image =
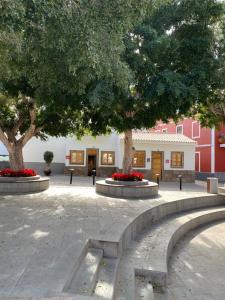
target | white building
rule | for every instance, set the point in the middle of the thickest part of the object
(166, 154)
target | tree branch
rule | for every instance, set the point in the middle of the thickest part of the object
(18, 124)
(38, 130)
(31, 130)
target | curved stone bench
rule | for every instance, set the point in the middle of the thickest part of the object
(21, 185)
(145, 255)
(119, 249)
(127, 189)
(163, 239)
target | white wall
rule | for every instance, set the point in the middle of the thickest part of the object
(189, 154)
(35, 148)
(103, 143)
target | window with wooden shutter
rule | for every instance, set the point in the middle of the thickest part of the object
(76, 157)
(107, 157)
(139, 159)
(177, 159)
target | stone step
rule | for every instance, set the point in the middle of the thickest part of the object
(125, 283)
(149, 253)
(106, 278)
(156, 244)
(143, 289)
(83, 281)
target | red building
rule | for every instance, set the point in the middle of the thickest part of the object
(210, 148)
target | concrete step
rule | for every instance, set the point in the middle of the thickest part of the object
(125, 283)
(149, 253)
(156, 244)
(106, 278)
(83, 281)
(143, 289)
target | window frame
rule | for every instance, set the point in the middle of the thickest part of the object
(171, 160)
(113, 156)
(139, 165)
(199, 130)
(182, 126)
(77, 151)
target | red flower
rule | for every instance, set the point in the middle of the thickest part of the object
(135, 176)
(19, 173)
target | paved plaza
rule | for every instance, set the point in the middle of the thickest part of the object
(42, 235)
(197, 267)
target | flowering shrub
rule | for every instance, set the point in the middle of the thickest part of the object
(135, 176)
(19, 173)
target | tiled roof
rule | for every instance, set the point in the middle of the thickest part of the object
(161, 137)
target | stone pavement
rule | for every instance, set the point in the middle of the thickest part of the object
(197, 267)
(42, 235)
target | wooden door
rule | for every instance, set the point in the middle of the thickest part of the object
(91, 164)
(91, 160)
(157, 164)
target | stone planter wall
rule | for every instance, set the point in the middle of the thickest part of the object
(21, 185)
(126, 189)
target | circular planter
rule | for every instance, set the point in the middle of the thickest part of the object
(18, 179)
(127, 189)
(21, 185)
(130, 183)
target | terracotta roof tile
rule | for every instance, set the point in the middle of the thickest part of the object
(160, 137)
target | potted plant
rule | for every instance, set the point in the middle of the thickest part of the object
(48, 158)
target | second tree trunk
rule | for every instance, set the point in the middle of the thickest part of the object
(128, 152)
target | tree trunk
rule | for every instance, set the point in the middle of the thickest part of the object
(128, 152)
(16, 156)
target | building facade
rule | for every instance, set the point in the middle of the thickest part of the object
(209, 152)
(168, 155)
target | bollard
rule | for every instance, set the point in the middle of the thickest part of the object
(180, 179)
(157, 178)
(71, 175)
(212, 185)
(93, 176)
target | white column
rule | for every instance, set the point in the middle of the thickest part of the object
(213, 150)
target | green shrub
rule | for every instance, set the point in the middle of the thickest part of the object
(48, 157)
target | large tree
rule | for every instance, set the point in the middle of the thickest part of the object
(172, 56)
(211, 111)
(50, 51)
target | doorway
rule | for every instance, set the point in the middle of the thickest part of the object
(157, 164)
(92, 159)
(91, 164)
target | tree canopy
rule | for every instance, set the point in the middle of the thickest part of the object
(50, 51)
(172, 56)
(64, 43)
(211, 111)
